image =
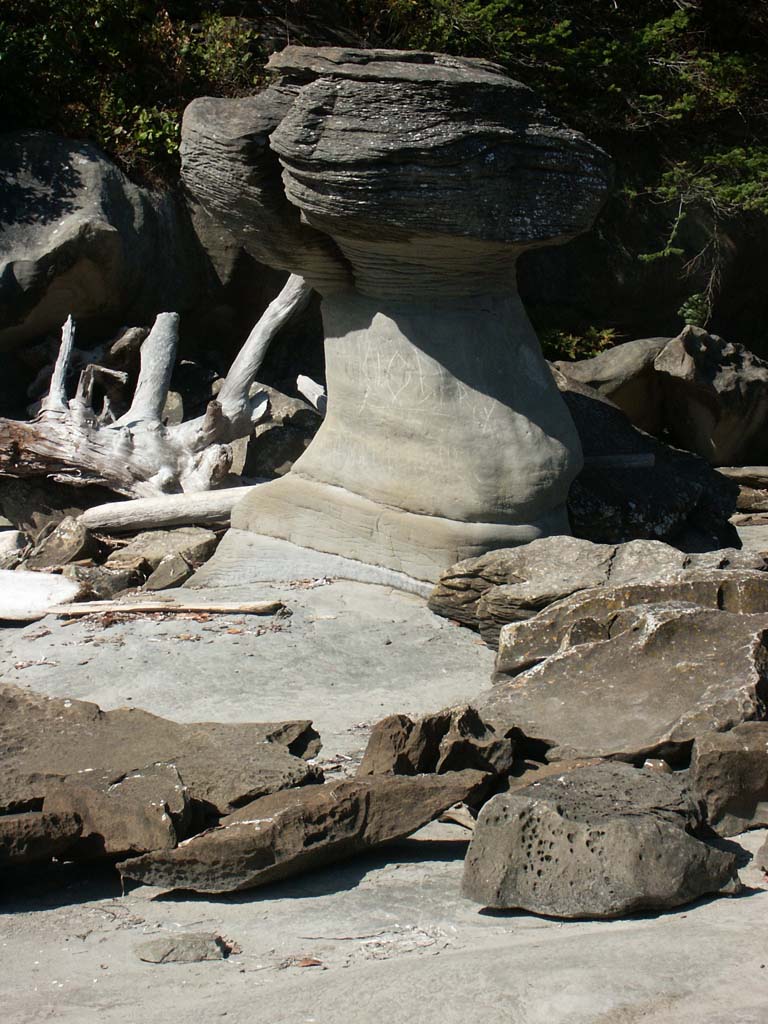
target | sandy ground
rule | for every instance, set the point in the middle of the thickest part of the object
(395, 940)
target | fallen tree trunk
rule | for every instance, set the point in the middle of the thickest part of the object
(201, 509)
(137, 455)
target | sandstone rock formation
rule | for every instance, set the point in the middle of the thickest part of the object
(513, 584)
(286, 833)
(450, 740)
(411, 183)
(596, 842)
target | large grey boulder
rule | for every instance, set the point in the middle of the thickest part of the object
(411, 183)
(288, 833)
(702, 393)
(597, 842)
(643, 683)
(77, 236)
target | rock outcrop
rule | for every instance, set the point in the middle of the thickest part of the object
(513, 584)
(287, 833)
(597, 842)
(444, 435)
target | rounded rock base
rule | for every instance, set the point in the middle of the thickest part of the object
(332, 519)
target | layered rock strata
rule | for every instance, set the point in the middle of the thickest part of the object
(411, 183)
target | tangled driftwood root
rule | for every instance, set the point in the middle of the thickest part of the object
(136, 454)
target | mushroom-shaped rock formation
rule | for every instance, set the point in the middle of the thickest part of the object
(411, 183)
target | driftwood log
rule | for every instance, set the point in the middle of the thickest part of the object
(137, 455)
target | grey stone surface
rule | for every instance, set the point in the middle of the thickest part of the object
(348, 654)
(426, 337)
(663, 675)
(596, 842)
(729, 774)
(78, 237)
(286, 834)
(187, 948)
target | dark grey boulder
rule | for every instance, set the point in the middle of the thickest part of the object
(77, 236)
(729, 774)
(597, 842)
(657, 678)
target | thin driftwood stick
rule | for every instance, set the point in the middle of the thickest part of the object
(71, 611)
(313, 392)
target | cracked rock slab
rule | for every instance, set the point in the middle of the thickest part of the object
(598, 842)
(223, 765)
(663, 675)
(598, 614)
(287, 833)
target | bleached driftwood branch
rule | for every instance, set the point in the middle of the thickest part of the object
(205, 508)
(137, 455)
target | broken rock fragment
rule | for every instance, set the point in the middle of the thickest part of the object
(146, 809)
(729, 774)
(287, 833)
(449, 740)
(597, 842)
(36, 836)
(597, 614)
(655, 680)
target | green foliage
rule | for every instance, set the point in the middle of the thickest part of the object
(558, 344)
(696, 310)
(118, 71)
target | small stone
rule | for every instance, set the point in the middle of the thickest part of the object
(185, 948)
(729, 773)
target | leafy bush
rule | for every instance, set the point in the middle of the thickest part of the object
(119, 72)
